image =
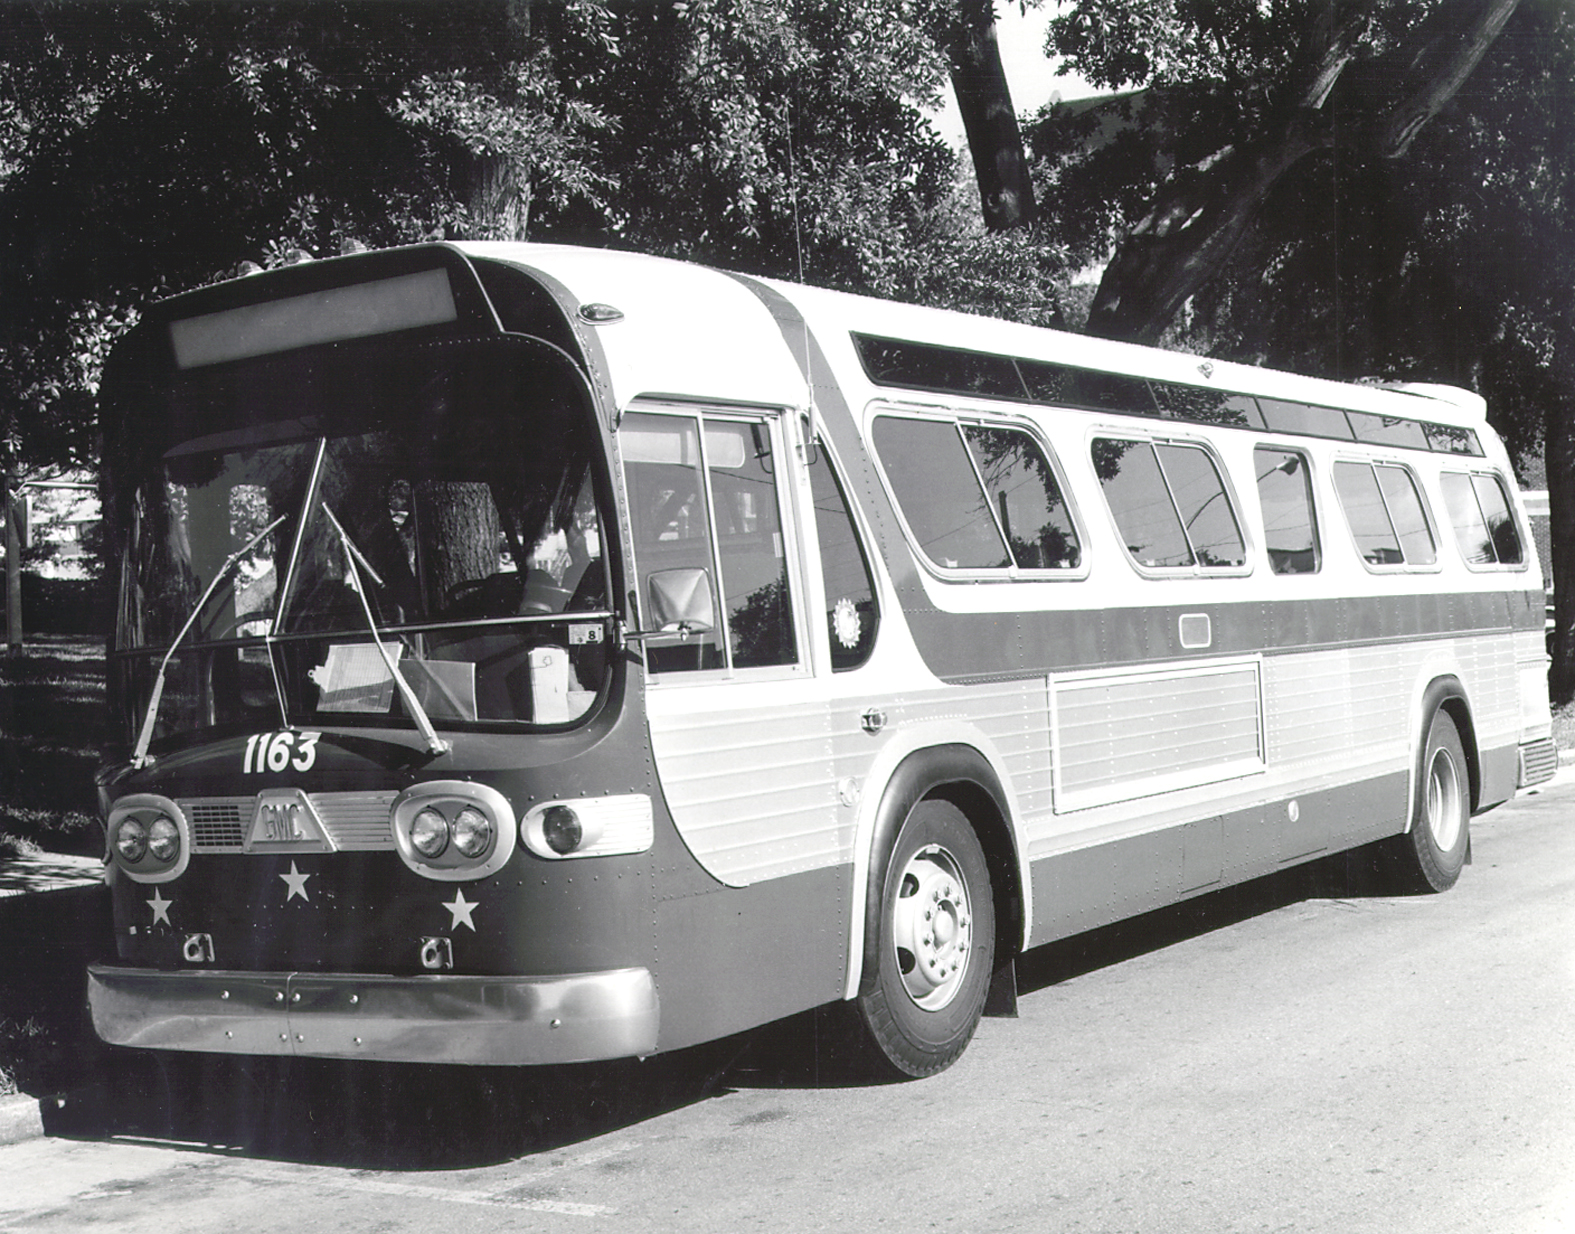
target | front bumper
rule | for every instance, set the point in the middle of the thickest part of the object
(578, 1017)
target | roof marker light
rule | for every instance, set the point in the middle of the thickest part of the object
(600, 314)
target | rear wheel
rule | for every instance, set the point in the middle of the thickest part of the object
(936, 946)
(1431, 855)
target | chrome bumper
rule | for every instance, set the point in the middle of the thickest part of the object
(430, 1019)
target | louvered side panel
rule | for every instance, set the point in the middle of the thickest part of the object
(1119, 738)
(751, 790)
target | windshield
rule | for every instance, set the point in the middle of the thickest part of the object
(470, 525)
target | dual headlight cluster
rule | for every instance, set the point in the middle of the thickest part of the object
(148, 837)
(453, 829)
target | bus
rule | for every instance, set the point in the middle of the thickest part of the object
(528, 654)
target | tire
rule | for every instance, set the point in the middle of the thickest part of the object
(1430, 856)
(936, 946)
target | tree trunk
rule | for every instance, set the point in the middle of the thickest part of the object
(985, 101)
(1559, 453)
(499, 200)
(13, 567)
(1202, 211)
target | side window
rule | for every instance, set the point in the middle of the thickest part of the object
(1385, 513)
(703, 503)
(1027, 500)
(852, 612)
(1480, 514)
(1169, 503)
(1409, 515)
(1285, 496)
(939, 493)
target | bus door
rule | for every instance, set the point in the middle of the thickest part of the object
(739, 727)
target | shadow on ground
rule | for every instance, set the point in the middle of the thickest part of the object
(387, 1116)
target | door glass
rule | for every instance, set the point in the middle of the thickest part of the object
(672, 541)
(749, 538)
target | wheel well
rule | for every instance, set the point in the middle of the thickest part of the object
(1445, 695)
(984, 815)
(961, 775)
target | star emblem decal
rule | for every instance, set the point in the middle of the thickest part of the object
(160, 907)
(296, 882)
(461, 910)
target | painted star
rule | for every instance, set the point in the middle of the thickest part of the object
(461, 909)
(160, 907)
(296, 882)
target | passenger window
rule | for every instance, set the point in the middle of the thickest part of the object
(1385, 513)
(693, 506)
(1408, 515)
(1285, 497)
(1169, 503)
(1027, 500)
(1479, 512)
(852, 613)
(939, 493)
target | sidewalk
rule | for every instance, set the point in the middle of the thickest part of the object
(48, 872)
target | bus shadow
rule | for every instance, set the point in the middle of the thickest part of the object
(374, 1116)
(1352, 875)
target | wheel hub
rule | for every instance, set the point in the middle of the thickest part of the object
(932, 927)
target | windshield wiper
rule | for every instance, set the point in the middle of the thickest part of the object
(353, 555)
(139, 757)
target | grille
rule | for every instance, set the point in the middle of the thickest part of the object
(355, 822)
(1539, 760)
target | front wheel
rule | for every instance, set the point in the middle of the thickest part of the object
(936, 946)
(1431, 855)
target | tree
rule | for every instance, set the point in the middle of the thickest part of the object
(1006, 191)
(1263, 86)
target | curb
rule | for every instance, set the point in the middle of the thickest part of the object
(21, 1119)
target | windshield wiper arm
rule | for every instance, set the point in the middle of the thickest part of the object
(435, 744)
(139, 757)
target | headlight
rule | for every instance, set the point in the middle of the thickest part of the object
(163, 838)
(451, 830)
(472, 831)
(131, 840)
(149, 837)
(429, 833)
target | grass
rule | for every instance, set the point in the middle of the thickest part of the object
(51, 715)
